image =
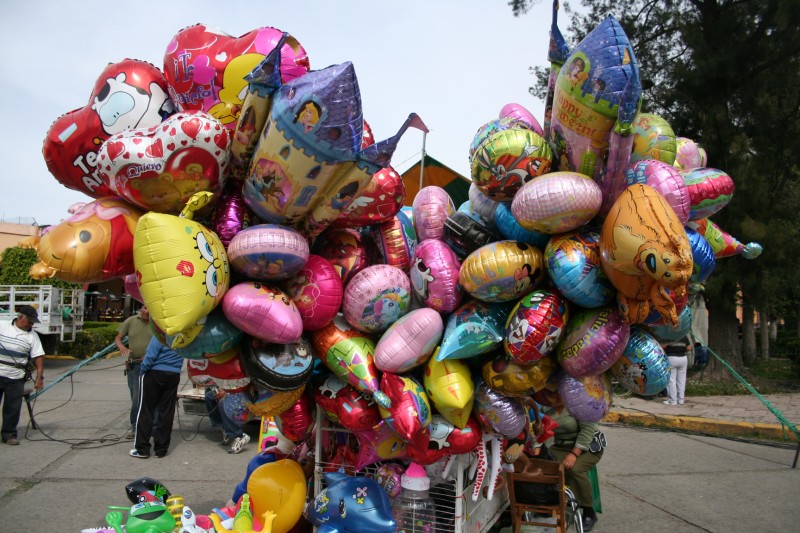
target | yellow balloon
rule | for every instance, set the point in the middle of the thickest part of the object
(502, 271)
(449, 386)
(182, 270)
(512, 379)
(279, 487)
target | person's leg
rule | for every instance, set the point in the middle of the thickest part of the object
(672, 394)
(168, 398)
(133, 387)
(232, 428)
(148, 399)
(680, 378)
(13, 389)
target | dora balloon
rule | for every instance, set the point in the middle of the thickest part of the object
(644, 251)
(94, 244)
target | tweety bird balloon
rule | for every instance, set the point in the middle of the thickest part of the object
(182, 270)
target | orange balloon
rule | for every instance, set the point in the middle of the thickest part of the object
(279, 487)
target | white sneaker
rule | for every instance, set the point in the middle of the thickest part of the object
(667, 402)
(238, 443)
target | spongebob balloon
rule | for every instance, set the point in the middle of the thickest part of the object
(182, 270)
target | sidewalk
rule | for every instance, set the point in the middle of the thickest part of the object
(744, 415)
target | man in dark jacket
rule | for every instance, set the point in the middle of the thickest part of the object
(159, 380)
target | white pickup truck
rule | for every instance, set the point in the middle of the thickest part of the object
(60, 310)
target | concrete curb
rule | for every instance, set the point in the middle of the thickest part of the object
(702, 425)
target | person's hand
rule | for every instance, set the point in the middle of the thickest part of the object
(569, 461)
(220, 394)
(39, 383)
(536, 452)
(125, 352)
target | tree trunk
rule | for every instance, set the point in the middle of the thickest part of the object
(748, 332)
(773, 330)
(763, 321)
(723, 339)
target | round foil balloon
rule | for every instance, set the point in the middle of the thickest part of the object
(410, 341)
(346, 249)
(512, 379)
(225, 370)
(574, 265)
(502, 271)
(588, 399)
(376, 297)
(378, 202)
(653, 139)
(127, 95)
(94, 244)
(508, 159)
(510, 229)
(492, 127)
(557, 202)
(644, 251)
(432, 205)
(349, 354)
(132, 287)
(396, 241)
(593, 341)
(346, 405)
(443, 439)
(474, 328)
(434, 275)
(161, 168)
(519, 112)
(279, 487)
(688, 155)
(702, 256)
(218, 335)
(449, 387)
(279, 367)
(410, 412)
(709, 191)
(268, 252)
(263, 312)
(667, 181)
(643, 367)
(231, 216)
(667, 333)
(499, 414)
(183, 272)
(206, 68)
(317, 292)
(535, 326)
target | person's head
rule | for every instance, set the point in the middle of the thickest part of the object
(144, 313)
(26, 317)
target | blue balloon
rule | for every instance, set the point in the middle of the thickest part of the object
(667, 333)
(702, 255)
(573, 262)
(508, 226)
(351, 503)
(473, 329)
(218, 335)
(644, 367)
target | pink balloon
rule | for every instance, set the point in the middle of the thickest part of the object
(296, 422)
(376, 297)
(264, 312)
(432, 205)
(231, 216)
(132, 287)
(667, 181)
(520, 113)
(317, 291)
(410, 412)
(268, 252)
(434, 275)
(378, 444)
(410, 341)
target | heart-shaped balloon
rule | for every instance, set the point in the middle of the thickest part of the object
(206, 68)
(127, 95)
(346, 405)
(160, 168)
(378, 202)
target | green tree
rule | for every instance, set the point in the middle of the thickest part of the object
(725, 74)
(15, 264)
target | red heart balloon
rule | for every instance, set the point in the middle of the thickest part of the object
(161, 168)
(128, 95)
(225, 371)
(380, 200)
(346, 405)
(443, 438)
(206, 69)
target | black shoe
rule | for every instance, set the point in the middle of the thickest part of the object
(588, 522)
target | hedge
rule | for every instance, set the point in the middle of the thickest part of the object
(94, 337)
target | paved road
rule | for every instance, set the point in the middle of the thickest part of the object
(650, 480)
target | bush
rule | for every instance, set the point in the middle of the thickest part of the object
(89, 341)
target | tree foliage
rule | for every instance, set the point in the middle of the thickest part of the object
(15, 264)
(725, 73)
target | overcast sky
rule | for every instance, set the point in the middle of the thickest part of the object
(454, 62)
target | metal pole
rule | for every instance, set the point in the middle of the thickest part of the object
(422, 161)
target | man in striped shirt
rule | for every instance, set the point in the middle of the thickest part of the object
(18, 345)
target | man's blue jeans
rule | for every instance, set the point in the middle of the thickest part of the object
(133, 386)
(11, 394)
(219, 418)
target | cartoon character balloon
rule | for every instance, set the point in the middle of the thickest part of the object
(574, 265)
(666, 180)
(503, 375)
(376, 297)
(218, 335)
(499, 414)
(346, 405)
(396, 241)
(653, 139)
(434, 275)
(263, 311)
(351, 504)
(94, 244)
(643, 367)
(268, 252)
(588, 399)
(410, 412)
(593, 341)
(644, 251)
(347, 250)
(473, 329)
(127, 95)
(317, 292)
(378, 202)
(535, 326)
(279, 367)
(502, 271)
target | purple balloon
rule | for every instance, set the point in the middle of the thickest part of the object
(497, 413)
(588, 399)
(520, 113)
(593, 341)
(666, 180)
(231, 216)
(434, 276)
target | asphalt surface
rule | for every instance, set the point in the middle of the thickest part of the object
(63, 475)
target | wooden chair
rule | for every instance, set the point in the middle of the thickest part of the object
(533, 483)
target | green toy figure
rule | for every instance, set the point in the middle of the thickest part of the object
(144, 517)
